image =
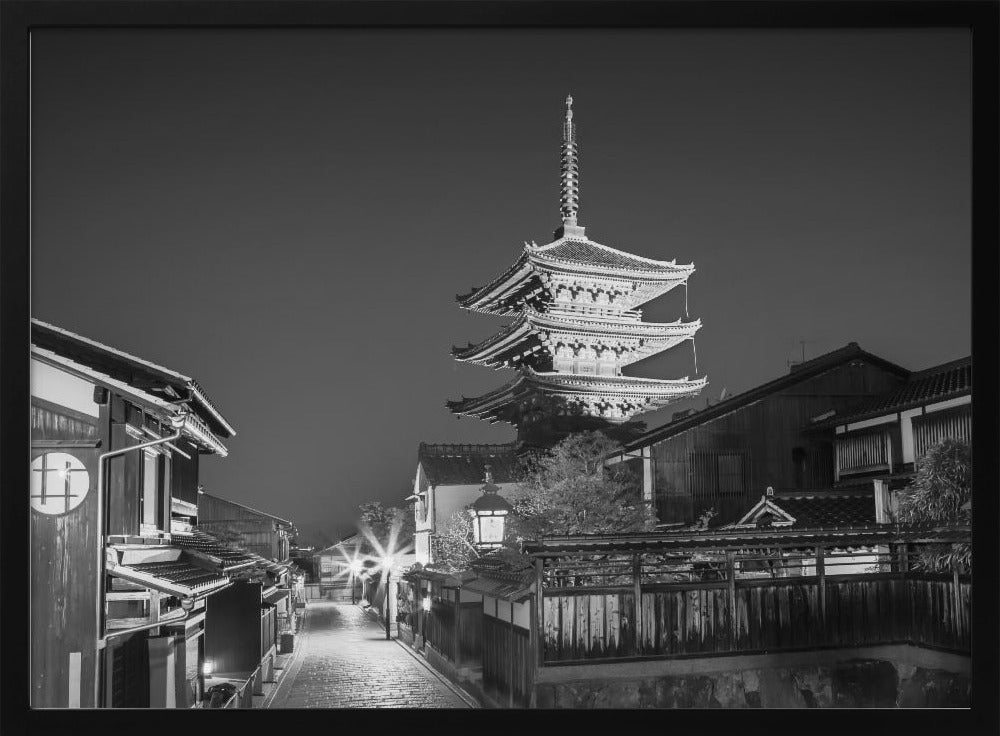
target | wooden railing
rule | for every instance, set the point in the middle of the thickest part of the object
(731, 615)
(508, 667)
(243, 697)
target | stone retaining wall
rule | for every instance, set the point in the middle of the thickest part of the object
(884, 677)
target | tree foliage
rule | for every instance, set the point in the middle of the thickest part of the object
(570, 490)
(454, 547)
(941, 492)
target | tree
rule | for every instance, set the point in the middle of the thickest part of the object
(454, 547)
(941, 492)
(570, 490)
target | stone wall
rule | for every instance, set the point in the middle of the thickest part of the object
(881, 677)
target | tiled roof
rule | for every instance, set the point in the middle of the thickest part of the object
(802, 372)
(822, 510)
(594, 254)
(466, 464)
(135, 371)
(181, 573)
(230, 558)
(924, 387)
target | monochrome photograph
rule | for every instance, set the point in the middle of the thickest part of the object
(500, 368)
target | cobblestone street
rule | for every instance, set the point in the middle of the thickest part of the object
(346, 662)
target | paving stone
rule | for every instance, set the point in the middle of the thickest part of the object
(346, 662)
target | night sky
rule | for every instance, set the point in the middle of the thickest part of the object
(287, 215)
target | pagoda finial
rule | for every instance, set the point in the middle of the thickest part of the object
(569, 201)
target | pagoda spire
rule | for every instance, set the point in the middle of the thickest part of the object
(569, 199)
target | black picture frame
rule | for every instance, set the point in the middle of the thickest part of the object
(18, 18)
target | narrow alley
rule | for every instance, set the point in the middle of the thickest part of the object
(344, 661)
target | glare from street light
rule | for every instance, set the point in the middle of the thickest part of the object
(356, 566)
(387, 562)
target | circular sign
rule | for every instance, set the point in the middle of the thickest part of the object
(59, 483)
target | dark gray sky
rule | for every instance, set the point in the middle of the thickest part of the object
(287, 215)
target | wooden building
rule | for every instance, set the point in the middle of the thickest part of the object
(724, 456)
(117, 607)
(257, 531)
(449, 478)
(879, 443)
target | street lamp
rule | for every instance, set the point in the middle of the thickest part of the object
(387, 567)
(490, 511)
(356, 568)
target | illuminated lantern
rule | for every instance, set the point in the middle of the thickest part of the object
(490, 511)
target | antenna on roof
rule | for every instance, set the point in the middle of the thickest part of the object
(793, 363)
(569, 199)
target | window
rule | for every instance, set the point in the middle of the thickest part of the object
(155, 472)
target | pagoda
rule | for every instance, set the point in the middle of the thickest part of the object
(577, 323)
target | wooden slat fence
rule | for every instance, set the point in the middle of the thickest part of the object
(508, 665)
(470, 631)
(770, 615)
(440, 626)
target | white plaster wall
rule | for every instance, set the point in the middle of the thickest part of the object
(59, 387)
(522, 614)
(449, 499)
(906, 431)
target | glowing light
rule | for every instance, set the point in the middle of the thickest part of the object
(426, 603)
(208, 667)
(356, 566)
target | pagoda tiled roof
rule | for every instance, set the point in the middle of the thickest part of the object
(656, 336)
(454, 464)
(572, 254)
(647, 390)
(939, 383)
(588, 253)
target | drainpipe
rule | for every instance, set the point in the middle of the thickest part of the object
(177, 422)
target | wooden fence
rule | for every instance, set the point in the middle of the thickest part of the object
(757, 615)
(470, 631)
(439, 628)
(508, 666)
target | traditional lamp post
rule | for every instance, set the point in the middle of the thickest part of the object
(356, 567)
(387, 568)
(490, 511)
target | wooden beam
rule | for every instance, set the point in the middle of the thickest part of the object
(821, 582)
(731, 575)
(539, 623)
(637, 607)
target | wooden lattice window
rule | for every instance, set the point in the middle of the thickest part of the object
(930, 429)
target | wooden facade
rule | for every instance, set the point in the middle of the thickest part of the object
(257, 531)
(97, 639)
(722, 459)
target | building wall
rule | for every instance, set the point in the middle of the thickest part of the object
(441, 502)
(232, 628)
(63, 555)
(763, 443)
(258, 532)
